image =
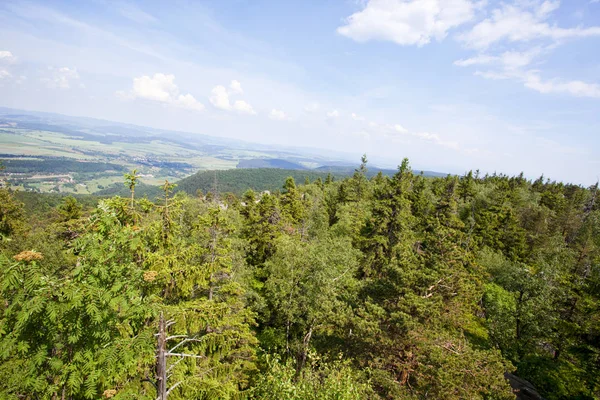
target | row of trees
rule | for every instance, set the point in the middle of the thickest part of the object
(388, 287)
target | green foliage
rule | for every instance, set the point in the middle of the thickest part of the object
(11, 214)
(372, 286)
(321, 381)
(239, 180)
(69, 209)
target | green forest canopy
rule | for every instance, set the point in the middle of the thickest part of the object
(400, 287)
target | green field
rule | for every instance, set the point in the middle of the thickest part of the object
(54, 153)
(156, 160)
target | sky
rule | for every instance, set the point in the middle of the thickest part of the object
(454, 85)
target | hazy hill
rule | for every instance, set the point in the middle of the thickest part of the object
(141, 190)
(239, 180)
(372, 171)
(270, 163)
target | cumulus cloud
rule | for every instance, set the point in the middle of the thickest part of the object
(521, 22)
(61, 78)
(400, 128)
(408, 22)
(161, 88)
(220, 98)
(243, 107)
(8, 69)
(6, 57)
(357, 117)
(278, 115)
(189, 102)
(236, 86)
(333, 114)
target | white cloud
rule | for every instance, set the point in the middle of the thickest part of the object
(400, 128)
(161, 88)
(435, 138)
(357, 117)
(532, 80)
(243, 107)
(525, 21)
(492, 75)
(522, 21)
(236, 86)
(60, 78)
(188, 101)
(508, 60)
(220, 98)
(516, 59)
(278, 115)
(408, 22)
(397, 131)
(7, 57)
(477, 60)
(333, 114)
(575, 88)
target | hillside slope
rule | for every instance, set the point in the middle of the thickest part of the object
(239, 180)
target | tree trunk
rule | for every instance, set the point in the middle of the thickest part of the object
(161, 360)
(302, 359)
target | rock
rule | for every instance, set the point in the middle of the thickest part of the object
(523, 389)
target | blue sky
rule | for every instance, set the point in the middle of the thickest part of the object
(454, 85)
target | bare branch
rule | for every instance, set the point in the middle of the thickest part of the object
(344, 273)
(183, 355)
(175, 364)
(175, 337)
(185, 341)
(174, 386)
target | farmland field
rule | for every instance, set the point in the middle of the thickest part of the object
(51, 153)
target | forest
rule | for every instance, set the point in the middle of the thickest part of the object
(364, 287)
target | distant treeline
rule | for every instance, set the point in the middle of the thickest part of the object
(56, 166)
(237, 181)
(142, 190)
(40, 204)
